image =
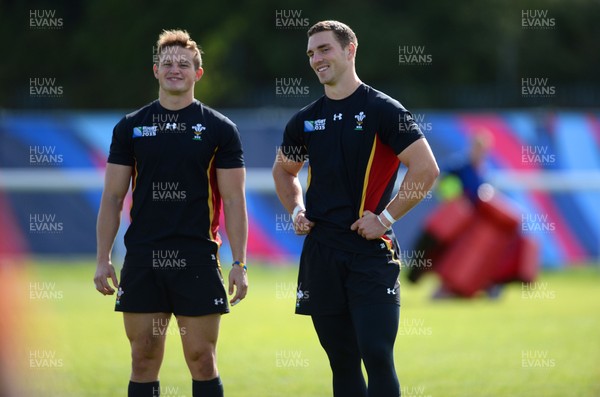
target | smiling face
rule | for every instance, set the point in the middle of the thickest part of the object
(328, 59)
(175, 70)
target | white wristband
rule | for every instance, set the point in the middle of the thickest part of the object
(388, 216)
(382, 224)
(296, 211)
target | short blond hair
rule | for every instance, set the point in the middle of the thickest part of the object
(179, 38)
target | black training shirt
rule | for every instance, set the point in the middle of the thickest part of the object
(352, 146)
(176, 201)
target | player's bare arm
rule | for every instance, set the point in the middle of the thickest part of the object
(231, 186)
(289, 191)
(116, 184)
(422, 171)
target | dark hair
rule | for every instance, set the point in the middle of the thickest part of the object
(341, 31)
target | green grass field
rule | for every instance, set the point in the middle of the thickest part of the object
(539, 341)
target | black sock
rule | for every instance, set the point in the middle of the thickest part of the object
(147, 389)
(207, 388)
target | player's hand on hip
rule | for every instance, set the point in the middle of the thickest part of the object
(238, 283)
(104, 272)
(369, 226)
(301, 224)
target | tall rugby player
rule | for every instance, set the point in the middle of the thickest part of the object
(355, 138)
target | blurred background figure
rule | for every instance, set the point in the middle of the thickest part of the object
(473, 239)
(470, 168)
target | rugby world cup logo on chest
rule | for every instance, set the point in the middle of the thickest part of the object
(144, 131)
(314, 125)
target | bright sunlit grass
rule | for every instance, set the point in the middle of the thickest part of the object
(538, 340)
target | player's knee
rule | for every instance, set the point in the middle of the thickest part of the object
(343, 359)
(377, 356)
(203, 363)
(146, 354)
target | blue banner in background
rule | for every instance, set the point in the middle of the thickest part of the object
(51, 166)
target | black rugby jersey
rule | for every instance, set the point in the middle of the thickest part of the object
(176, 201)
(352, 146)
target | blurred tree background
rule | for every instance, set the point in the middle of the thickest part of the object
(479, 51)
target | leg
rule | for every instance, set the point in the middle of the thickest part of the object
(146, 333)
(199, 338)
(376, 329)
(336, 334)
